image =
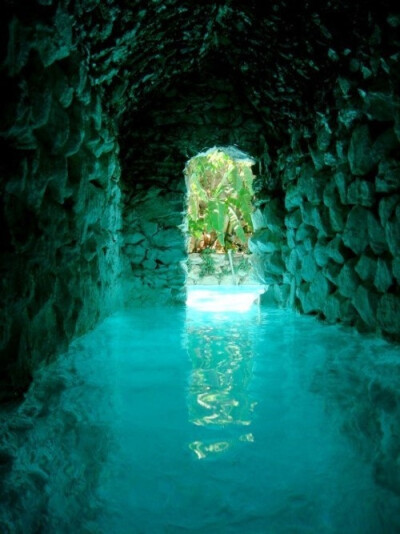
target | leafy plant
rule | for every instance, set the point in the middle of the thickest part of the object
(207, 264)
(219, 206)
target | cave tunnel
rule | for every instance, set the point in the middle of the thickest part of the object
(103, 104)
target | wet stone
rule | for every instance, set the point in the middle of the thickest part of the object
(360, 151)
(366, 268)
(383, 277)
(355, 235)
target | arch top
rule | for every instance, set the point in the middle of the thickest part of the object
(231, 151)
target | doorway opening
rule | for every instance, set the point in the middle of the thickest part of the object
(219, 222)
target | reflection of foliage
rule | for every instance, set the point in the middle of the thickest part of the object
(222, 369)
(220, 192)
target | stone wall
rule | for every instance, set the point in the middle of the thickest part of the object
(154, 245)
(60, 198)
(215, 269)
(330, 238)
(320, 115)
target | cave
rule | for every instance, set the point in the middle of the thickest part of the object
(103, 104)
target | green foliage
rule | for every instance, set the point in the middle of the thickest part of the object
(219, 207)
(207, 264)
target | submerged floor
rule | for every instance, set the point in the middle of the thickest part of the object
(169, 420)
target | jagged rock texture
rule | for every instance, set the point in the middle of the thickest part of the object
(103, 104)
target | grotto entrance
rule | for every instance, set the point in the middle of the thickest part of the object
(219, 224)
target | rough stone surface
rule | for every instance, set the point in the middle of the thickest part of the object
(360, 156)
(355, 235)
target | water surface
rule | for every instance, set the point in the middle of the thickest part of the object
(166, 420)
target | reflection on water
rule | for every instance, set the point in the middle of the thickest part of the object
(297, 425)
(221, 351)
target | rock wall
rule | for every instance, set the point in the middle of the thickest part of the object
(60, 197)
(327, 194)
(215, 269)
(330, 237)
(153, 245)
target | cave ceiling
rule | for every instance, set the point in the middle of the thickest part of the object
(282, 56)
(282, 59)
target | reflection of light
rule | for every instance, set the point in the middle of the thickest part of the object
(247, 437)
(202, 450)
(237, 299)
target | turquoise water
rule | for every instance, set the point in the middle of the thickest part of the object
(166, 420)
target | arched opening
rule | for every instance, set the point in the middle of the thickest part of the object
(219, 217)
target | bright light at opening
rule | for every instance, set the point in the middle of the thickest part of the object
(237, 299)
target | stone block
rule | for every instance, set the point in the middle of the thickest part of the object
(317, 158)
(331, 195)
(275, 264)
(332, 308)
(341, 150)
(383, 276)
(270, 216)
(309, 267)
(133, 238)
(281, 294)
(384, 145)
(321, 254)
(342, 180)
(55, 172)
(348, 280)
(348, 314)
(336, 250)
(376, 235)
(355, 235)
(291, 237)
(170, 256)
(305, 232)
(292, 262)
(135, 253)
(264, 241)
(387, 206)
(293, 197)
(149, 228)
(274, 215)
(41, 99)
(331, 272)
(293, 219)
(388, 178)
(380, 106)
(258, 262)
(330, 159)
(316, 217)
(360, 156)
(313, 295)
(337, 217)
(169, 238)
(392, 232)
(149, 264)
(361, 193)
(324, 136)
(366, 268)
(77, 130)
(257, 218)
(311, 186)
(396, 269)
(349, 116)
(55, 133)
(365, 302)
(388, 314)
